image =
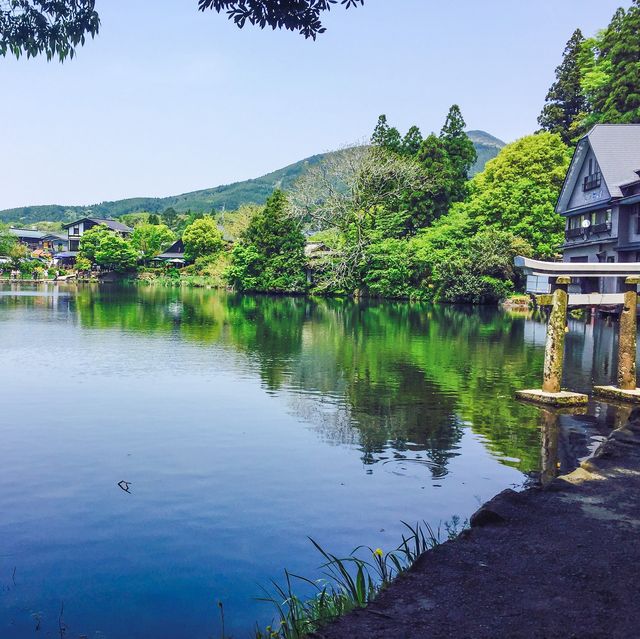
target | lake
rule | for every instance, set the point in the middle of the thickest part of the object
(246, 425)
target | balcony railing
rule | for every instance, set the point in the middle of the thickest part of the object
(603, 227)
(571, 234)
(592, 181)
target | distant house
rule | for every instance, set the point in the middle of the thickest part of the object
(600, 199)
(174, 254)
(76, 229)
(41, 240)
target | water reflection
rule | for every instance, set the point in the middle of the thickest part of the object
(246, 424)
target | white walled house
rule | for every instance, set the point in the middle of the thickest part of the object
(76, 229)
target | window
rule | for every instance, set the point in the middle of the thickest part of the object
(76, 230)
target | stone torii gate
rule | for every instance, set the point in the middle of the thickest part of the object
(560, 274)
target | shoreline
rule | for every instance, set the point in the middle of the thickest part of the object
(558, 560)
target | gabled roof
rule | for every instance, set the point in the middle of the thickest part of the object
(617, 151)
(114, 225)
(175, 250)
(31, 234)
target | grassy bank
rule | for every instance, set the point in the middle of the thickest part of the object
(347, 583)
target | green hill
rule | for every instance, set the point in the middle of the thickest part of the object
(229, 196)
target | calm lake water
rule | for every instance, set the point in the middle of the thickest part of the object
(246, 425)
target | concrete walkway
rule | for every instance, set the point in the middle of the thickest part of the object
(563, 561)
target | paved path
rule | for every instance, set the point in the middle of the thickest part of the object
(561, 562)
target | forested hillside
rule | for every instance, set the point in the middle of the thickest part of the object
(228, 196)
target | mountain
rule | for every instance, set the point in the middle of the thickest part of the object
(487, 147)
(228, 196)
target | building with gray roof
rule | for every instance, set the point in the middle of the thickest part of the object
(600, 200)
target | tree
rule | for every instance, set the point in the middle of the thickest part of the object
(460, 150)
(270, 254)
(202, 237)
(385, 136)
(90, 241)
(52, 28)
(17, 253)
(153, 219)
(295, 15)
(7, 240)
(170, 217)
(115, 253)
(518, 189)
(620, 99)
(433, 202)
(151, 239)
(390, 139)
(57, 27)
(565, 102)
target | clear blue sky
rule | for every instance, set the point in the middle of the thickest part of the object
(173, 100)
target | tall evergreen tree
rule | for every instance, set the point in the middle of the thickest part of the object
(433, 202)
(411, 141)
(386, 137)
(460, 149)
(270, 254)
(619, 101)
(565, 101)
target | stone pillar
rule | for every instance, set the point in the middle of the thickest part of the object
(554, 347)
(627, 336)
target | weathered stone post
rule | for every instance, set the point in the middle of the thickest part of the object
(626, 389)
(554, 346)
(551, 392)
(627, 336)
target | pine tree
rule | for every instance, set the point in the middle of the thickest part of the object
(433, 202)
(460, 149)
(386, 137)
(565, 101)
(270, 254)
(619, 101)
(411, 141)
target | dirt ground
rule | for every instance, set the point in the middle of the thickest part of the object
(560, 561)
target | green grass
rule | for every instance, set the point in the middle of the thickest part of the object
(347, 583)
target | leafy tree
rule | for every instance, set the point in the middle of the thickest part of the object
(270, 254)
(90, 241)
(33, 27)
(57, 27)
(115, 253)
(151, 239)
(518, 190)
(82, 264)
(7, 240)
(154, 219)
(17, 253)
(202, 237)
(565, 102)
(462, 154)
(295, 15)
(170, 217)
